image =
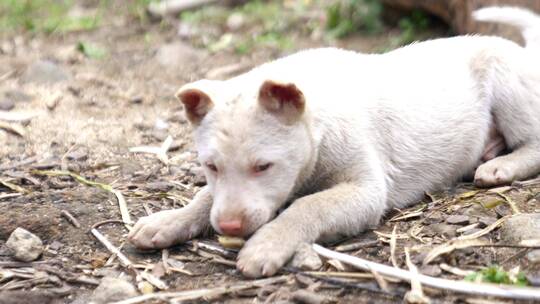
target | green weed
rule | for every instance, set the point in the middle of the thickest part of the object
(348, 16)
(46, 16)
(496, 274)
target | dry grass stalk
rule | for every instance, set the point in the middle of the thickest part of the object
(484, 231)
(393, 241)
(415, 295)
(454, 270)
(451, 246)
(70, 218)
(479, 289)
(356, 246)
(160, 152)
(205, 292)
(124, 212)
(13, 128)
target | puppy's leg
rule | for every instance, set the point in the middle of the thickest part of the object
(346, 209)
(166, 228)
(516, 107)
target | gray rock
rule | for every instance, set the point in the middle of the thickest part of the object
(111, 290)
(80, 154)
(24, 246)
(308, 297)
(534, 256)
(446, 230)
(534, 279)
(486, 221)
(176, 54)
(6, 104)
(186, 30)
(431, 270)
(17, 96)
(236, 21)
(525, 226)
(306, 258)
(458, 219)
(45, 72)
(159, 186)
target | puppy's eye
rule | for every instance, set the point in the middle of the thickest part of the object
(263, 167)
(212, 167)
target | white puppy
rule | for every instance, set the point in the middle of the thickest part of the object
(347, 136)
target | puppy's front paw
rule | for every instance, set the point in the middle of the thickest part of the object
(494, 173)
(266, 252)
(166, 228)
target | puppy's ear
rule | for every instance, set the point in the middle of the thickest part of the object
(197, 103)
(282, 99)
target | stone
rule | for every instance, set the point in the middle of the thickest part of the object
(534, 256)
(80, 154)
(176, 54)
(486, 221)
(446, 230)
(534, 279)
(187, 30)
(111, 290)
(6, 104)
(525, 226)
(306, 258)
(431, 270)
(45, 72)
(458, 219)
(17, 96)
(308, 297)
(24, 246)
(236, 21)
(159, 186)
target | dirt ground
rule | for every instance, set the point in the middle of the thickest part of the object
(85, 115)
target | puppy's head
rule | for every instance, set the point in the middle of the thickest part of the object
(253, 142)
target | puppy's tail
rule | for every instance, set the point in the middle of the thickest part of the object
(527, 21)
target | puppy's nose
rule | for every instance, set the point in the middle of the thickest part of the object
(232, 228)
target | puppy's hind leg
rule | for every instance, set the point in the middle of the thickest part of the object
(515, 96)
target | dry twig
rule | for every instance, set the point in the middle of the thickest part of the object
(480, 289)
(68, 216)
(204, 293)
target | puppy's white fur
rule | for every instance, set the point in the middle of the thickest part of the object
(349, 136)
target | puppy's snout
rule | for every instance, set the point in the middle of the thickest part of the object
(231, 227)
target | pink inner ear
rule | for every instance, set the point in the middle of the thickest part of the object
(191, 100)
(288, 93)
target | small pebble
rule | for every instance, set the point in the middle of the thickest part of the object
(111, 290)
(534, 279)
(79, 154)
(45, 72)
(159, 186)
(525, 226)
(6, 104)
(431, 270)
(446, 230)
(308, 297)
(534, 256)
(24, 246)
(458, 219)
(236, 21)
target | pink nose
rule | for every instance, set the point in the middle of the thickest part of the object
(232, 228)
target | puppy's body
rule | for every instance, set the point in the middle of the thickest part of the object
(349, 136)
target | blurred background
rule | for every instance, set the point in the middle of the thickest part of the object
(82, 82)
